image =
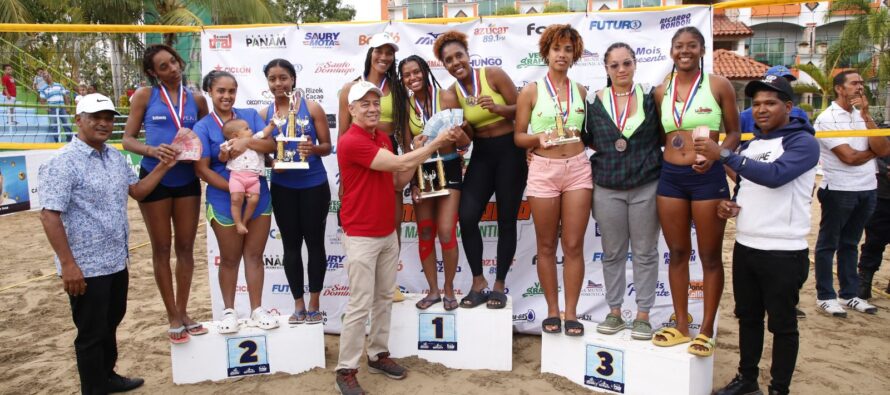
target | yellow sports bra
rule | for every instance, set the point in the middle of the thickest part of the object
(414, 122)
(477, 116)
(386, 108)
(703, 110)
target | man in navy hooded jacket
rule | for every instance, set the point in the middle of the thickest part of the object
(775, 174)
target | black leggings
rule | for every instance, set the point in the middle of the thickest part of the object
(302, 214)
(497, 166)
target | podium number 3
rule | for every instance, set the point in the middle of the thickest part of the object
(605, 367)
(439, 322)
(249, 354)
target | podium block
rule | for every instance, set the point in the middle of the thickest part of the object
(618, 364)
(214, 356)
(478, 338)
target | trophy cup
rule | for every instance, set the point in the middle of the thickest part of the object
(287, 157)
(562, 134)
(431, 178)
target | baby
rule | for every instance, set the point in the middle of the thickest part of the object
(245, 170)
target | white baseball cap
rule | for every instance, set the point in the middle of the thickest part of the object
(381, 39)
(360, 89)
(93, 103)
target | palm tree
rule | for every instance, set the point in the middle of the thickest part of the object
(823, 79)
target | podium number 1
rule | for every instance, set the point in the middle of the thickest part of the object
(439, 322)
(436, 332)
(249, 354)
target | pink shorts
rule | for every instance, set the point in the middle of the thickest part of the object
(549, 178)
(244, 181)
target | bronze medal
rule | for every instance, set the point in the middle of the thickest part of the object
(471, 100)
(620, 145)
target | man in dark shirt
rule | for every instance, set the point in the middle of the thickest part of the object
(877, 232)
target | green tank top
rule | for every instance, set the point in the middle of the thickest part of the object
(636, 120)
(477, 116)
(414, 121)
(386, 108)
(703, 110)
(544, 115)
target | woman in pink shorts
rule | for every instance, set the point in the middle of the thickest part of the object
(559, 176)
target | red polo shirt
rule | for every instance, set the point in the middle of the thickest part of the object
(367, 208)
(8, 85)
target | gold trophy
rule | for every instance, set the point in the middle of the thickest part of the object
(289, 158)
(562, 134)
(431, 178)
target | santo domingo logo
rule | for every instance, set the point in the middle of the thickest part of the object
(674, 22)
(321, 40)
(626, 24)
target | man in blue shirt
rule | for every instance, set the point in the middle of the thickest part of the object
(746, 118)
(83, 190)
(55, 96)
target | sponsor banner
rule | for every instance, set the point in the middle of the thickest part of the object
(330, 55)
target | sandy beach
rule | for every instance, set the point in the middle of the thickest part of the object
(838, 356)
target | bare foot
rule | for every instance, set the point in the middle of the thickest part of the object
(241, 229)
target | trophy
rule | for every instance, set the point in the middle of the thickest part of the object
(288, 158)
(431, 178)
(562, 134)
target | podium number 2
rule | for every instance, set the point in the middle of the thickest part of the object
(249, 354)
(605, 367)
(439, 323)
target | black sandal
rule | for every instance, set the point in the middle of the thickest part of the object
(496, 300)
(473, 299)
(426, 303)
(574, 328)
(551, 322)
(449, 304)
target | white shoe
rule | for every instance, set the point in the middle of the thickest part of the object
(859, 305)
(229, 323)
(831, 307)
(262, 319)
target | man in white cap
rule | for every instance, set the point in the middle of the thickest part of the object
(83, 190)
(366, 165)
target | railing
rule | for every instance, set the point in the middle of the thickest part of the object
(29, 123)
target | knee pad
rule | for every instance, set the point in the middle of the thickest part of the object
(428, 246)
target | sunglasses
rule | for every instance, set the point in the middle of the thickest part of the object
(627, 63)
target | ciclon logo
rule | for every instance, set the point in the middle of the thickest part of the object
(627, 24)
(696, 289)
(589, 59)
(363, 39)
(661, 290)
(331, 67)
(528, 316)
(280, 289)
(241, 288)
(273, 262)
(234, 70)
(265, 41)
(593, 289)
(480, 61)
(274, 234)
(491, 33)
(649, 54)
(322, 40)
(336, 290)
(428, 39)
(533, 59)
(335, 262)
(314, 94)
(532, 28)
(672, 323)
(675, 21)
(218, 42)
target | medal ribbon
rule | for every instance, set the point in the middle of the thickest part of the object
(177, 117)
(476, 88)
(620, 119)
(555, 96)
(418, 107)
(382, 83)
(678, 115)
(218, 120)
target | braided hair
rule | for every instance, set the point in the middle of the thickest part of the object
(395, 88)
(701, 41)
(401, 109)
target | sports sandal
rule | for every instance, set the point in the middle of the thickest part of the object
(314, 317)
(672, 337)
(397, 295)
(574, 328)
(708, 343)
(426, 302)
(184, 335)
(262, 319)
(642, 330)
(297, 318)
(554, 323)
(196, 329)
(611, 325)
(229, 323)
(449, 304)
(473, 299)
(496, 300)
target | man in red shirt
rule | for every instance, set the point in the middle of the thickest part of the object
(9, 92)
(366, 165)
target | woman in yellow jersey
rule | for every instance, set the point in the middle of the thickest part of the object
(690, 188)
(559, 176)
(434, 215)
(488, 98)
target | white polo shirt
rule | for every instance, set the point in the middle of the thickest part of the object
(837, 175)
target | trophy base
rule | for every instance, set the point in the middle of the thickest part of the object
(284, 139)
(291, 165)
(432, 194)
(565, 140)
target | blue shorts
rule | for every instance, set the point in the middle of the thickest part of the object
(682, 182)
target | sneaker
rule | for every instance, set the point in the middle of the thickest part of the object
(859, 305)
(347, 384)
(740, 386)
(385, 365)
(800, 314)
(611, 325)
(832, 307)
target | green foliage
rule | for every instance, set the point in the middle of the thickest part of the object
(867, 30)
(555, 8)
(822, 77)
(310, 11)
(806, 107)
(506, 10)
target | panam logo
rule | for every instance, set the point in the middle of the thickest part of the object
(273, 262)
(218, 41)
(625, 24)
(675, 21)
(533, 59)
(266, 41)
(364, 39)
(491, 33)
(322, 40)
(427, 39)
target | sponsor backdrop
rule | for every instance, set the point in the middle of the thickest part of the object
(327, 56)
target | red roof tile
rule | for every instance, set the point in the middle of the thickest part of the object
(735, 67)
(723, 27)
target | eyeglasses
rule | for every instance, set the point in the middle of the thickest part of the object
(627, 63)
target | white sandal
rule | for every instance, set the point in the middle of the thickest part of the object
(262, 319)
(229, 323)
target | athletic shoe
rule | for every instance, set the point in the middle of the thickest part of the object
(612, 325)
(859, 305)
(800, 314)
(831, 307)
(385, 365)
(347, 384)
(740, 386)
(118, 383)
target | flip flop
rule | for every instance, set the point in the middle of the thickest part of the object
(574, 328)
(196, 329)
(298, 317)
(313, 317)
(708, 343)
(426, 302)
(551, 322)
(449, 304)
(473, 299)
(672, 335)
(496, 300)
(182, 331)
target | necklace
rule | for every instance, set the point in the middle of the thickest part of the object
(623, 94)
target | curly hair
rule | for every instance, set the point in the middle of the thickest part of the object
(554, 33)
(148, 60)
(451, 36)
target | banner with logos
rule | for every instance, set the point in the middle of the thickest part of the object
(328, 56)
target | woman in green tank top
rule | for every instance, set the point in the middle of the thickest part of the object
(690, 188)
(559, 176)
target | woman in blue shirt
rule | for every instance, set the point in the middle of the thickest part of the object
(300, 198)
(222, 88)
(165, 108)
